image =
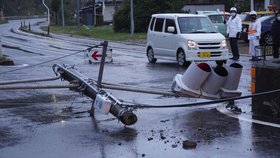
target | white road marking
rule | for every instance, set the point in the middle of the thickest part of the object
(224, 110)
(22, 65)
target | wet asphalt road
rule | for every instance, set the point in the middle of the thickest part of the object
(47, 123)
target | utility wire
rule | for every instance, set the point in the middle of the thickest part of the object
(30, 81)
(142, 106)
(48, 61)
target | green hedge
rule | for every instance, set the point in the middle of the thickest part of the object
(143, 9)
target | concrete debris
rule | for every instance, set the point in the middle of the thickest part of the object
(188, 144)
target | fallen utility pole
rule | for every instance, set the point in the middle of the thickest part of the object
(103, 101)
(87, 87)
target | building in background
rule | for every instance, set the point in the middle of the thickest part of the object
(210, 6)
(103, 12)
(262, 5)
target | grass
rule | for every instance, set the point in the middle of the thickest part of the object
(100, 32)
(3, 21)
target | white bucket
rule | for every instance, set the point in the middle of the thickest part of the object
(230, 86)
(195, 75)
(191, 81)
(234, 74)
(212, 85)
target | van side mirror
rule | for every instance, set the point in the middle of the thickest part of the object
(171, 29)
(225, 21)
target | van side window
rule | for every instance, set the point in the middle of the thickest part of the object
(152, 23)
(216, 18)
(159, 24)
(169, 22)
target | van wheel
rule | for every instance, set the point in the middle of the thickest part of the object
(150, 55)
(181, 58)
(221, 62)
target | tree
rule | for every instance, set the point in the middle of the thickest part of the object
(143, 9)
(55, 5)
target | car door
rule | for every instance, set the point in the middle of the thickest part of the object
(169, 39)
(157, 37)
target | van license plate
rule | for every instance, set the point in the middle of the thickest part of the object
(205, 54)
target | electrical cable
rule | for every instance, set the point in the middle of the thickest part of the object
(142, 106)
(88, 49)
(22, 87)
(30, 81)
(49, 102)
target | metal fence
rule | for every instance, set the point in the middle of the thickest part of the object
(266, 50)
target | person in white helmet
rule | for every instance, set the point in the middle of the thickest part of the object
(254, 35)
(234, 26)
(275, 32)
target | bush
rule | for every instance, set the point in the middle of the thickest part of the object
(143, 9)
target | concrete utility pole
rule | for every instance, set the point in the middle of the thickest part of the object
(62, 13)
(43, 1)
(1, 48)
(78, 13)
(252, 5)
(100, 97)
(93, 13)
(131, 17)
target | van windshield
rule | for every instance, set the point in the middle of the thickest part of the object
(196, 25)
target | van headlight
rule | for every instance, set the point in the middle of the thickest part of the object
(224, 44)
(191, 44)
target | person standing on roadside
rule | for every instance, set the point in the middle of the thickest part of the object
(254, 35)
(234, 27)
(275, 31)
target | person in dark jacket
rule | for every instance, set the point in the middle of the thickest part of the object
(275, 31)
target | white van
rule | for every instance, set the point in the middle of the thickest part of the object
(185, 38)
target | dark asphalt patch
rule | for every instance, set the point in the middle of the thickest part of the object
(206, 128)
(188, 144)
(7, 137)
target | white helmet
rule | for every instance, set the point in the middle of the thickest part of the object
(253, 13)
(233, 9)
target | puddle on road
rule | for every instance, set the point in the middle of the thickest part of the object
(44, 109)
(43, 114)
(36, 99)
